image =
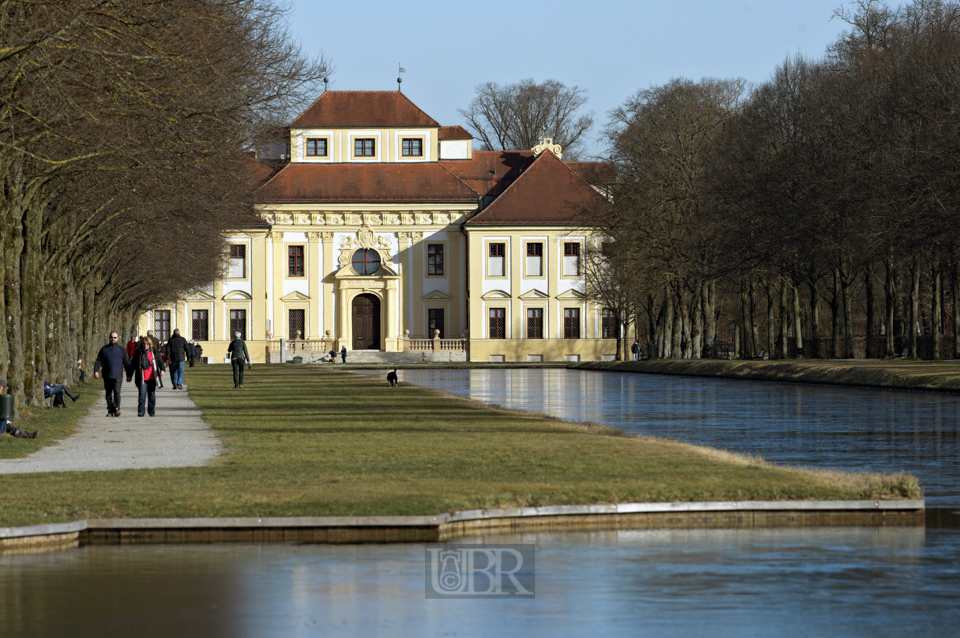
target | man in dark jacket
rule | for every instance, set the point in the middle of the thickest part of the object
(238, 354)
(114, 361)
(177, 353)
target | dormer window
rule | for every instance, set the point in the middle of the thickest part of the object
(412, 147)
(316, 147)
(364, 147)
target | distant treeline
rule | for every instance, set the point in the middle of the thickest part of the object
(819, 210)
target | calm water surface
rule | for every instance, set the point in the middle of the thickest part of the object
(780, 582)
(792, 582)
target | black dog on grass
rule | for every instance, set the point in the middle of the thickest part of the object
(392, 378)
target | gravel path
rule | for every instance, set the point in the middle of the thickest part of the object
(176, 437)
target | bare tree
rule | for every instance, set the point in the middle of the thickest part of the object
(516, 116)
(123, 126)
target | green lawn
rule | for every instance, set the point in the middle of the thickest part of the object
(314, 441)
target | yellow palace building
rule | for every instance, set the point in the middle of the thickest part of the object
(386, 233)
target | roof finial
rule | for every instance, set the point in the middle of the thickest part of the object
(546, 144)
(325, 80)
(399, 79)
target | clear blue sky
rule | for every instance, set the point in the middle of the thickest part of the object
(611, 48)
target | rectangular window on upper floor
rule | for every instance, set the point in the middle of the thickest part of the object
(412, 147)
(496, 266)
(571, 259)
(364, 147)
(435, 260)
(316, 147)
(238, 261)
(295, 261)
(534, 259)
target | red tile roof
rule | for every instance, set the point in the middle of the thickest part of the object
(547, 192)
(363, 108)
(454, 133)
(490, 172)
(596, 173)
(421, 182)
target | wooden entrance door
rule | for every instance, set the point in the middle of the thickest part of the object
(366, 322)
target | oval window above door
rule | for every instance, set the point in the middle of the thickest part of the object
(366, 261)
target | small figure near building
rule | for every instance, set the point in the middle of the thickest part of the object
(635, 349)
(343, 354)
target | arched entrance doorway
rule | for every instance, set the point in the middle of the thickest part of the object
(366, 322)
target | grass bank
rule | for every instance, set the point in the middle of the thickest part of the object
(313, 441)
(887, 374)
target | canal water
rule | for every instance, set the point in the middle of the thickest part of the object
(784, 582)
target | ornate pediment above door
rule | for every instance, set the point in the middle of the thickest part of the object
(366, 240)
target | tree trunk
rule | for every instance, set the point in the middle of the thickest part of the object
(784, 319)
(846, 288)
(797, 325)
(771, 319)
(815, 322)
(835, 306)
(710, 318)
(697, 330)
(936, 307)
(914, 305)
(676, 348)
(955, 282)
(870, 352)
(746, 309)
(890, 299)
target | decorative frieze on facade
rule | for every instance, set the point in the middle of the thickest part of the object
(366, 219)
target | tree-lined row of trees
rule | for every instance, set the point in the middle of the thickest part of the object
(814, 216)
(123, 131)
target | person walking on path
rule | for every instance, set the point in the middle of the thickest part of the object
(635, 349)
(177, 354)
(191, 353)
(343, 354)
(58, 390)
(146, 367)
(238, 354)
(114, 360)
(154, 341)
(6, 428)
